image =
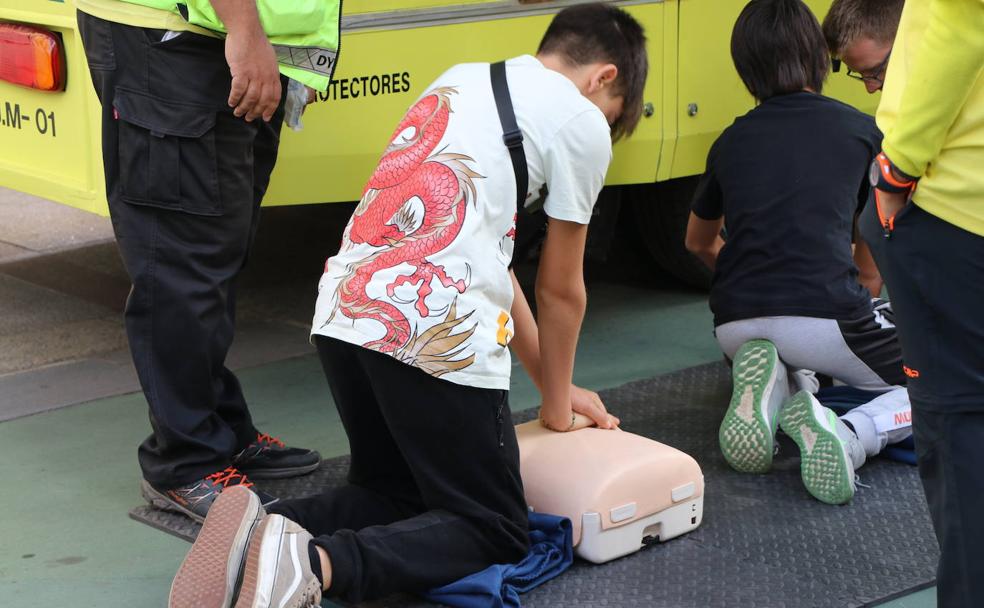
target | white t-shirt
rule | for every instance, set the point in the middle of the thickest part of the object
(422, 273)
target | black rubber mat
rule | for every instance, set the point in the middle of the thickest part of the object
(764, 541)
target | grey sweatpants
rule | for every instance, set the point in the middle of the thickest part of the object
(863, 353)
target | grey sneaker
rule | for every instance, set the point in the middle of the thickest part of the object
(748, 432)
(209, 574)
(278, 570)
(830, 452)
(195, 498)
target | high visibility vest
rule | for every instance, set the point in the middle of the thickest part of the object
(304, 33)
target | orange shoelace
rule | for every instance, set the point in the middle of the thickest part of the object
(230, 476)
(263, 437)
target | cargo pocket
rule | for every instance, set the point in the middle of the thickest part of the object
(167, 153)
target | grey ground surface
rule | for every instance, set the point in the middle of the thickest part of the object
(762, 536)
(63, 288)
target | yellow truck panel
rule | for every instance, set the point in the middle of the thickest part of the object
(49, 141)
(391, 50)
(346, 131)
(711, 93)
(382, 6)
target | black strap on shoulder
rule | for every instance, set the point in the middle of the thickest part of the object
(511, 135)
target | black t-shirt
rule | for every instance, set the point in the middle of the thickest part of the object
(789, 178)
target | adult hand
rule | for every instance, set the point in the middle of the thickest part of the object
(890, 203)
(255, 90)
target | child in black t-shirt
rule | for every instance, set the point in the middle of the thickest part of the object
(786, 182)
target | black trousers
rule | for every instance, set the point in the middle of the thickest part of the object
(184, 180)
(434, 488)
(935, 275)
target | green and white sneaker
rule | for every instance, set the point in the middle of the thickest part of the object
(748, 432)
(829, 451)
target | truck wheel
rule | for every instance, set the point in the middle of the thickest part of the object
(661, 211)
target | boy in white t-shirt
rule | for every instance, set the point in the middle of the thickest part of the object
(413, 322)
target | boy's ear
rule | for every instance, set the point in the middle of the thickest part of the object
(602, 76)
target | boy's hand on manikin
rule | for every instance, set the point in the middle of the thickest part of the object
(589, 404)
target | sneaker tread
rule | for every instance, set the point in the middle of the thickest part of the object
(745, 437)
(201, 581)
(824, 467)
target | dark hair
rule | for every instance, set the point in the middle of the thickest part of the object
(778, 48)
(849, 20)
(596, 32)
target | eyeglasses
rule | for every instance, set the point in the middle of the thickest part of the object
(874, 74)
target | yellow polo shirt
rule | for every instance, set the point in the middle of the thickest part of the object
(932, 107)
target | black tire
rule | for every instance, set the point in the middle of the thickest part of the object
(662, 211)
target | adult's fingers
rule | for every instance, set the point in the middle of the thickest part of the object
(266, 103)
(247, 105)
(271, 99)
(236, 91)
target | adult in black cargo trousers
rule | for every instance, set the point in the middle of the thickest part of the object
(188, 150)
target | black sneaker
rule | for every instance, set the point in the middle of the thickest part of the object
(269, 458)
(195, 498)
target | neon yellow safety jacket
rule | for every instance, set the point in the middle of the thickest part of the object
(304, 33)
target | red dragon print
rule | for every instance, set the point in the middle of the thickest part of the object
(411, 176)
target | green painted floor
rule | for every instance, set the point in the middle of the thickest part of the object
(70, 476)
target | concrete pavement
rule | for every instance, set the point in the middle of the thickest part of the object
(63, 288)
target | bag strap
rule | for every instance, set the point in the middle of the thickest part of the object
(511, 135)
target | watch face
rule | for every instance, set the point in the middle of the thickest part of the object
(874, 173)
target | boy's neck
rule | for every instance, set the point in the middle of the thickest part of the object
(576, 74)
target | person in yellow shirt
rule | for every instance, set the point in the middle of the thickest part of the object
(927, 235)
(859, 35)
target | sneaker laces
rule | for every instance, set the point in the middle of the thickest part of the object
(270, 441)
(229, 476)
(857, 482)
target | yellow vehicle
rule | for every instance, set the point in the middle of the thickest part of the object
(390, 51)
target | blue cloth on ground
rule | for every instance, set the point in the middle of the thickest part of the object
(499, 586)
(843, 399)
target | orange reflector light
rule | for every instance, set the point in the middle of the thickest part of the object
(31, 57)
